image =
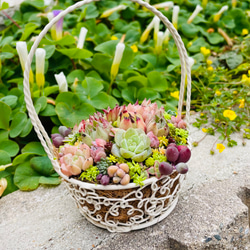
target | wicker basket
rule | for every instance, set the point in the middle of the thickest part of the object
(115, 207)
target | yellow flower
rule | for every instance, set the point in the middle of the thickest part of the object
(210, 68)
(175, 94)
(217, 92)
(114, 38)
(189, 44)
(244, 32)
(205, 51)
(202, 114)
(134, 48)
(235, 92)
(220, 147)
(242, 103)
(229, 114)
(245, 78)
(204, 130)
(162, 150)
(163, 141)
(209, 62)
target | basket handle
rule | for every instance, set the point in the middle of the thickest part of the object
(185, 73)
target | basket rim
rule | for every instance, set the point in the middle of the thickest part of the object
(118, 186)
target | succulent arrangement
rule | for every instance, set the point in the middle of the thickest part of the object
(125, 144)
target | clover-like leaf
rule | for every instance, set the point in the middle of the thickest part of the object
(33, 148)
(42, 165)
(17, 124)
(9, 146)
(5, 115)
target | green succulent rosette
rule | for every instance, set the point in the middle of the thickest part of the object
(132, 144)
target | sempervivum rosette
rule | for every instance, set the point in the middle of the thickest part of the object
(124, 144)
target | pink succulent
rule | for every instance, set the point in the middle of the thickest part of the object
(154, 141)
(74, 159)
(97, 153)
(99, 143)
(178, 122)
(112, 114)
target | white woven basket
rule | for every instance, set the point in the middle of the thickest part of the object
(115, 207)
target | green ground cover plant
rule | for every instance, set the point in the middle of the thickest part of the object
(116, 52)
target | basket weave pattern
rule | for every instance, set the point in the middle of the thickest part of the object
(130, 208)
(115, 207)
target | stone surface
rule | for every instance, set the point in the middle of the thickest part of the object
(212, 212)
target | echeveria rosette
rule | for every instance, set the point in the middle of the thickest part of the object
(132, 144)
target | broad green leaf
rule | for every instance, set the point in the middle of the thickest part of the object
(21, 158)
(6, 55)
(11, 147)
(129, 94)
(78, 73)
(214, 38)
(51, 90)
(4, 135)
(69, 115)
(42, 165)
(92, 86)
(10, 100)
(48, 111)
(157, 81)
(40, 104)
(76, 53)
(28, 29)
(234, 61)
(107, 47)
(17, 124)
(50, 50)
(137, 81)
(27, 128)
(189, 30)
(102, 63)
(33, 148)
(5, 115)
(26, 178)
(100, 101)
(148, 94)
(150, 58)
(4, 158)
(194, 46)
(50, 180)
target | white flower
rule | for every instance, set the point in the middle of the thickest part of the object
(3, 185)
(166, 36)
(160, 38)
(47, 2)
(146, 32)
(22, 52)
(195, 13)
(62, 82)
(156, 27)
(164, 5)
(190, 62)
(40, 63)
(176, 10)
(82, 37)
(217, 16)
(109, 12)
(117, 60)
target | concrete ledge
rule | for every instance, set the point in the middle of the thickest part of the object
(212, 212)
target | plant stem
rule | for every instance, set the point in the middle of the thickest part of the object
(11, 19)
